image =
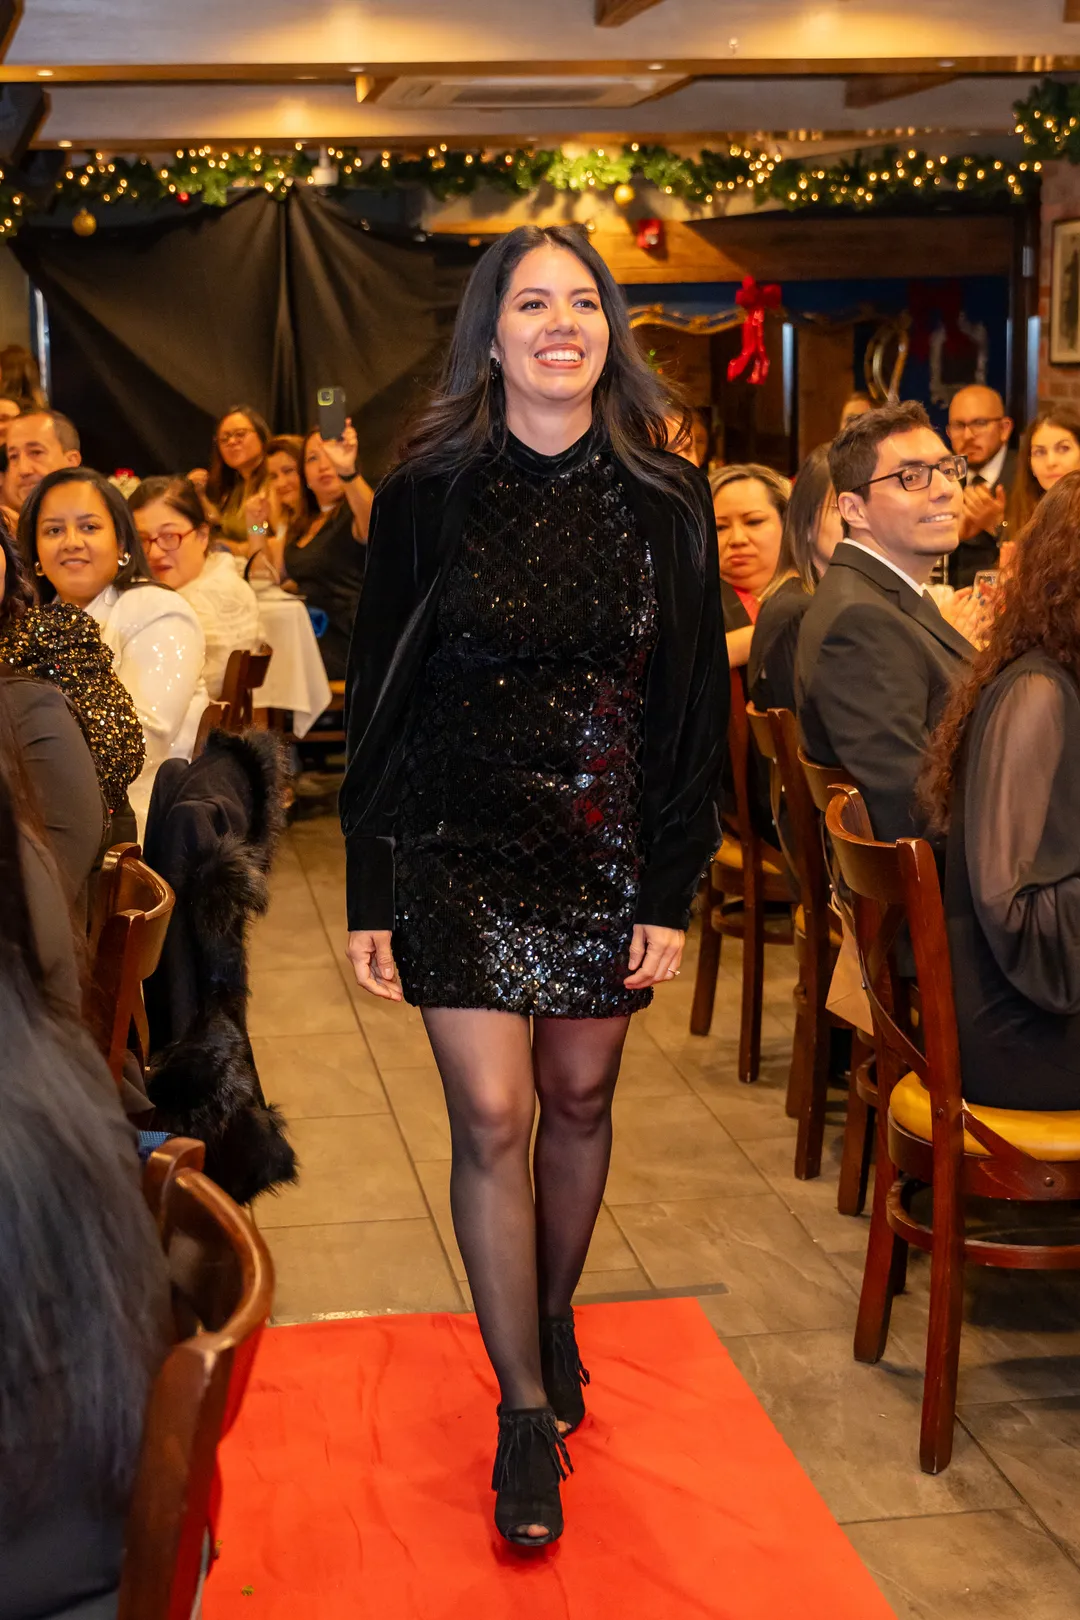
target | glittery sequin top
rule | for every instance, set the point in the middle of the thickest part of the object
(518, 845)
(61, 644)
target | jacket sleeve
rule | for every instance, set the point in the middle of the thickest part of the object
(385, 659)
(688, 825)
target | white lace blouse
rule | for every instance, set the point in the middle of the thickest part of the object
(228, 610)
(158, 650)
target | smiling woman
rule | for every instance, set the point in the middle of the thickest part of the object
(82, 544)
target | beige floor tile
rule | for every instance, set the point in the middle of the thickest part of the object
(361, 1266)
(319, 1076)
(299, 1001)
(1036, 1444)
(671, 1147)
(855, 1428)
(969, 1566)
(811, 1202)
(776, 1278)
(628, 1282)
(301, 943)
(646, 1072)
(747, 1112)
(394, 1031)
(416, 1096)
(350, 1170)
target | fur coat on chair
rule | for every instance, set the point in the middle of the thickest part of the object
(211, 833)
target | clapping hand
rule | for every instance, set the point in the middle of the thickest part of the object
(341, 453)
(655, 954)
(984, 510)
(969, 613)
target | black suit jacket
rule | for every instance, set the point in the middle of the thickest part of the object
(874, 668)
(416, 526)
(981, 551)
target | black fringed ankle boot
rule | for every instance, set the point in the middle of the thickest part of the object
(560, 1366)
(530, 1461)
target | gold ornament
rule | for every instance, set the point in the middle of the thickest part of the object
(84, 223)
(624, 195)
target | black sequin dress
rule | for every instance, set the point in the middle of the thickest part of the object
(517, 853)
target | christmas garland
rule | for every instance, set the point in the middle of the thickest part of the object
(1049, 121)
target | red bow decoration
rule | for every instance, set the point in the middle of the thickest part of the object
(649, 234)
(755, 301)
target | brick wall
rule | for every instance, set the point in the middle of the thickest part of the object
(1060, 200)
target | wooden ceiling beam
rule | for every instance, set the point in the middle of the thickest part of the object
(869, 89)
(613, 13)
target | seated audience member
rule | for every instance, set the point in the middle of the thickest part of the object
(979, 431)
(876, 662)
(237, 471)
(1003, 776)
(326, 562)
(749, 502)
(287, 508)
(1049, 448)
(855, 405)
(692, 441)
(38, 442)
(812, 531)
(175, 538)
(59, 648)
(82, 542)
(20, 377)
(9, 410)
(86, 1313)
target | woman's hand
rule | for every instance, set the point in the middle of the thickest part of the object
(373, 963)
(341, 453)
(257, 511)
(655, 955)
(198, 476)
(970, 614)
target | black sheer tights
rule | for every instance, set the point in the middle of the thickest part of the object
(524, 1258)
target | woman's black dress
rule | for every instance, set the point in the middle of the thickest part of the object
(1012, 890)
(517, 853)
(329, 572)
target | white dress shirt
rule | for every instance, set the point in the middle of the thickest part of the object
(227, 609)
(991, 473)
(870, 552)
(158, 649)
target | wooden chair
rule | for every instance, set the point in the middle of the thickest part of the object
(222, 1285)
(215, 717)
(745, 875)
(131, 911)
(823, 781)
(817, 931)
(926, 1133)
(244, 674)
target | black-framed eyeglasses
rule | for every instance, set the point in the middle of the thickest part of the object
(978, 424)
(919, 474)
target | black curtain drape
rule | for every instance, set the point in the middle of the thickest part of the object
(157, 327)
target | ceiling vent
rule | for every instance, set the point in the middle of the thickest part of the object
(522, 93)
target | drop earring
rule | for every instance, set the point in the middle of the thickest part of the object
(39, 571)
(496, 369)
(123, 560)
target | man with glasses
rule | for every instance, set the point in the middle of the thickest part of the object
(979, 431)
(876, 661)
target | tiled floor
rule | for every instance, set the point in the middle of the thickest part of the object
(701, 1199)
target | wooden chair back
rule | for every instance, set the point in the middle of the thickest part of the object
(776, 734)
(222, 1285)
(215, 717)
(741, 754)
(244, 674)
(132, 907)
(894, 884)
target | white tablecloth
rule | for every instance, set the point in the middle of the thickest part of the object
(296, 678)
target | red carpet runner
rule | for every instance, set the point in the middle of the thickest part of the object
(356, 1485)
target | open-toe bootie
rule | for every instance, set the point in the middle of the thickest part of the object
(560, 1364)
(530, 1461)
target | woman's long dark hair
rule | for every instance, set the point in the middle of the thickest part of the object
(81, 1311)
(1040, 608)
(467, 416)
(1027, 492)
(221, 479)
(810, 492)
(16, 592)
(136, 571)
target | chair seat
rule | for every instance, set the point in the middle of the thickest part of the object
(1053, 1136)
(728, 865)
(835, 930)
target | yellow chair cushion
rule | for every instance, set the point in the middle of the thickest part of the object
(730, 855)
(1050, 1136)
(835, 927)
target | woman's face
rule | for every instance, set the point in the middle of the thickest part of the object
(552, 335)
(9, 410)
(175, 550)
(283, 476)
(322, 480)
(1054, 452)
(238, 443)
(830, 532)
(76, 542)
(748, 527)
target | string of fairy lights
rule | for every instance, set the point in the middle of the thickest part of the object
(900, 174)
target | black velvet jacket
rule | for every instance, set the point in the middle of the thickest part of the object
(415, 529)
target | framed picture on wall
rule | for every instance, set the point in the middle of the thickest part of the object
(1065, 294)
